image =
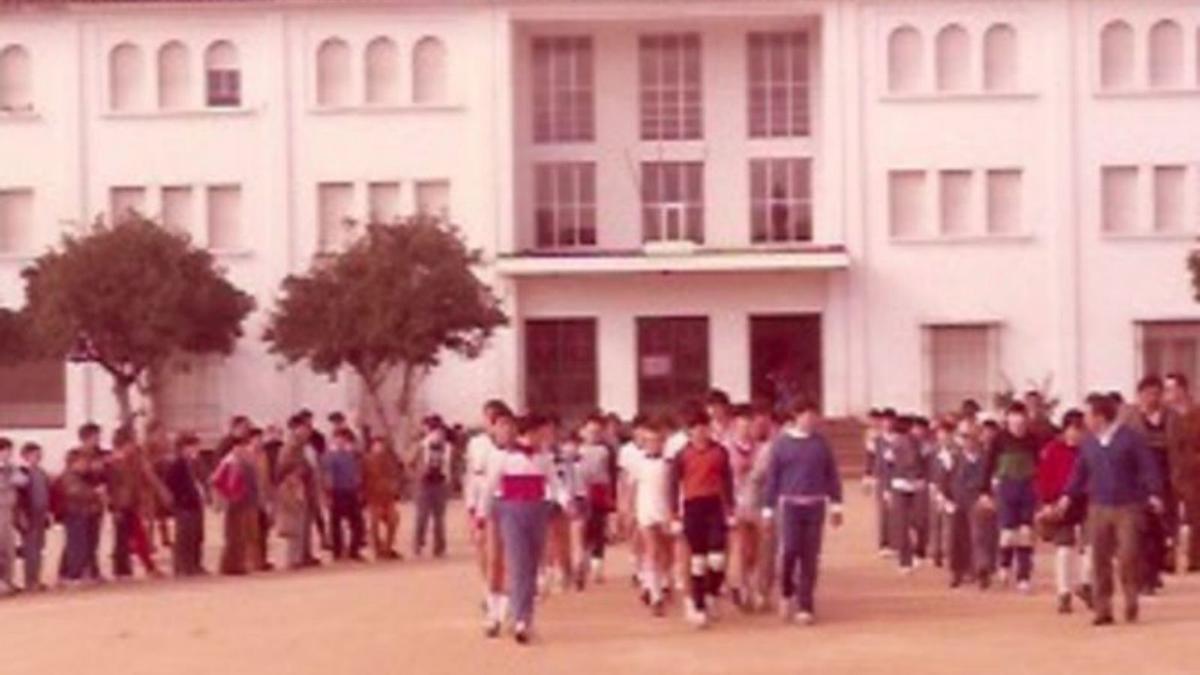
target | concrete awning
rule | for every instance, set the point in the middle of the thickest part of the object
(791, 259)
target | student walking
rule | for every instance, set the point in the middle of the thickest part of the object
(1055, 464)
(1161, 428)
(1118, 475)
(971, 545)
(650, 479)
(80, 506)
(1012, 467)
(907, 485)
(522, 481)
(702, 491)
(596, 473)
(802, 481)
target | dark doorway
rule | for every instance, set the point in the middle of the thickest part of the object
(672, 362)
(785, 357)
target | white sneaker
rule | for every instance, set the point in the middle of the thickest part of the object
(918, 562)
(906, 571)
(805, 618)
(886, 553)
(694, 616)
(1002, 577)
(787, 613)
(1024, 587)
(597, 571)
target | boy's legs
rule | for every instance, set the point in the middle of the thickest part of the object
(8, 552)
(32, 545)
(338, 515)
(122, 564)
(901, 520)
(357, 525)
(695, 530)
(1102, 528)
(812, 522)
(422, 524)
(1128, 526)
(960, 544)
(439, 520)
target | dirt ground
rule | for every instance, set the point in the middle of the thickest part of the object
(422, 617)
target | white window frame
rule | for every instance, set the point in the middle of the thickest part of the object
(671, 105)
(564, 97)
(779, 104)
(561, 208)
(764, 204)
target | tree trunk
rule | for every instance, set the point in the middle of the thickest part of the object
(121, 389)
(410, 377)
(373, 385)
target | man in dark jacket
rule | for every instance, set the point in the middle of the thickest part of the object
(188, 508)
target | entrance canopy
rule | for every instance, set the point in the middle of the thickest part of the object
(701, 260)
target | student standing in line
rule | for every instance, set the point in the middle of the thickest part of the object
(343, 472)
(10, 483)
(596, 473)
(433, 489)
(381, 490)
(906, 486)
(747, 533)
(650, 478)
(1163, 431)
(35, 515)
(187, 504)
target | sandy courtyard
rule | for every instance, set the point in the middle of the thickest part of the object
(421, 617)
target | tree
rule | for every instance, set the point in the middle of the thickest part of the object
(392, 302)
(128, 297)
(1193, 263)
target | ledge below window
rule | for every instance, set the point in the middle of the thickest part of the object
(952, 96)
(386, 109)
(183, 113)
(534, 263)
(19, 116)
(232, 253)
(1147, 93)
(927, 240)
(1150, 236)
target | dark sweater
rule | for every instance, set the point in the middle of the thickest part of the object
(1120, 473)
(801, 467)
(185, 490)
(1012, 458)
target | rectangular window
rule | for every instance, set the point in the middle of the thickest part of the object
(1171, 347)
(906, 203)
(224, 88)
(334, 201)
(224, 217)
(780, 200)
(565, 204)
(190, 395)
(672, 362)
(955, 202)
(125, 202)
(16, 221)
(433, 199)
(34, 395)
(1004, 201)
(670, 83)
(961, 363)
(778, 84)
(1118, 187)
(177, 208)
(1169, 182)
(383, 199)
(561, 367)
(562, 89)
(673, 201)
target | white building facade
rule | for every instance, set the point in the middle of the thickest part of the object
(867, 201)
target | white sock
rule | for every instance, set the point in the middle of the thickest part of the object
(1085, 566)
(1062, 569)
(651, 581)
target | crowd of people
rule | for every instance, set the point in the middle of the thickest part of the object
(297, 484)
(719, 503)
(1114, 481)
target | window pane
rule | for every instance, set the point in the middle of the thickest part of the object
(956, 202)
(384, 201)
(1004, 201)
(177, 208)
(16, 221)
(906, 203)
(224, 217)
(334, 201)
(1169, 198)
(1119, 199)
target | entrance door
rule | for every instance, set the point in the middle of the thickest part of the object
(672, 362)
(560, 367)
(785, 357)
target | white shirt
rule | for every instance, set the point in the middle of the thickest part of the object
(651, 477)
(676, 442)
(480, 452)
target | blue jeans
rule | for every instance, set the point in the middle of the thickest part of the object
(78, 551)
(801, 528)
(523, 531)
(1015, 503)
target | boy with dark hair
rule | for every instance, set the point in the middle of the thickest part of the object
(702, 489)
(1185, 464)
(972, 536)
(131, 484)
(906, 486)
(433, 488)
(650, 477)
(35, 514)
(187, 505)
(1119, 476)
(596, 473)
(344, 482)
(801, 479)
(1162, 429)
(1012, 467)
(10, 480)
(883, 457)
(381, 491)
(235, 480)
(940, 463)
(95, 460)
(744, 450)
(1055, 463)
(81, 504)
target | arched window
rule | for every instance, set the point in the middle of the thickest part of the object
(1116, 55)
(953, 58)
(222, 75)
(16, 81)
(1000, 54)
(333, 73)
(174, 76)
(1166, 54)
(429, 71)
(382, 66)
(126, 76)
(904, 59)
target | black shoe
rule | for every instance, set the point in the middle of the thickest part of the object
(985, 581)
(1131, 613)
(1103, 620)
(521, 636)
(955, 581)
(658, 608)
(1064, 603)
(645, 597)
(492, 630)
(1084, 593)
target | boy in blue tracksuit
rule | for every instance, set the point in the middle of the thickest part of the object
(801, 477)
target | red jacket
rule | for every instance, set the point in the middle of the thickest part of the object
(1055, 463)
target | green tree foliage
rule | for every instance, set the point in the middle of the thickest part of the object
(391, 303)
(128, 297)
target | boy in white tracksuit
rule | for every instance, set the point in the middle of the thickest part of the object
(650, 476)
